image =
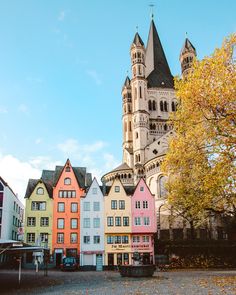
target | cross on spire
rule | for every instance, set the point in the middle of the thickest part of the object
(151, 5)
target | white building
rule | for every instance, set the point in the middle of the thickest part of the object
(92, 228)
(11, 213)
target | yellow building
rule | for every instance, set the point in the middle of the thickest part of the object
(38, 213)
(117, 228)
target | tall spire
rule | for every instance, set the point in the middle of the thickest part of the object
(137, 40)
(157, 69)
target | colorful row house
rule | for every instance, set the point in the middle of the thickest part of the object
(130, 224)
(92, 228)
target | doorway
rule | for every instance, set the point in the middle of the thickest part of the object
(99, 264)
(58, 259)
(110, 259)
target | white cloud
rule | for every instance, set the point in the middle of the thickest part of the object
(34, 80)
(3, 110)
(95, 76)
(16, 173)
(38, 140)
(62, 15)
(23, 108)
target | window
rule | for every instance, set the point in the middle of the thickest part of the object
(86, 239)
(60, 223)
(173, 105)
(60, 238)
(61, 207)
(149, 105)
(44, 221)
(73, 223)
(145, 204)
(146, 221)
(31, 221)
(165, 106)
(13, 220)
(96, 206)
(44, 237)
(141, 189)
(110, 221)
(136, 239)
(137, 205)
(40, 191)
(118, 221)
(86, 222)
(96, 222)
(94, 190)
(121, 204)
(161, 106)
(67, 181)
(154, 105)
(66, 194)
(109, 239)
(125, 221)
(117, 239)
(117, 189)
(74, 207)
(96, 239)
(113, 204)
(125, 240)
(31, 237)
(146, 239)
(86, 206)
(38, 206)
(67, 168)
(137, 221)
(73, 238)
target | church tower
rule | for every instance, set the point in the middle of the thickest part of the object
(187, 55)
(139, 105)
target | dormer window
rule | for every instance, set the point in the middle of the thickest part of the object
(67, 181)
(117, 189)
(40, 191)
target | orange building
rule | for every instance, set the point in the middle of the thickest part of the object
(68, 189)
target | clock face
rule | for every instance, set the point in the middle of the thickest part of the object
(162, 182)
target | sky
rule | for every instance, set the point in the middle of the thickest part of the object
(62, 67)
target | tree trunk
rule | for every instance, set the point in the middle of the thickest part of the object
(192, 230)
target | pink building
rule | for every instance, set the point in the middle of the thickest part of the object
(144, 223)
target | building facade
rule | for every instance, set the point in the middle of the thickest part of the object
(117, 218)
(67, 193)
(144, 223)
(92, 228)
(11, 213)
(39, 213)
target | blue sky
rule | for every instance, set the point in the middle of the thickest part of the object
(62, 66)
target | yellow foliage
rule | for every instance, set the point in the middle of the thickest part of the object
(202, 155)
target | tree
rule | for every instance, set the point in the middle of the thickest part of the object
(202, 155)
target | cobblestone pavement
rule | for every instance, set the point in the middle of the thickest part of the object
(111, 283)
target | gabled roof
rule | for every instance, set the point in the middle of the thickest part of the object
(157, 69)
(137, 40)
(32, 183)
(188, 46)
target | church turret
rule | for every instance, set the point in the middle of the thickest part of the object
(127, 123)
(140, 116)
(187, 55)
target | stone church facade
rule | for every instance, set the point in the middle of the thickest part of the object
(148, 98)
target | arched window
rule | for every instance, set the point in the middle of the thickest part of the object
(67, 181)
(173, 105)
(149, 105)
(140, 91)
(150, 126)
(154, 126)
(165, 106)
(40, 191)
(136, 134)
(130, 126)
(165, 127)
(154, 105)
(162, 188)
(135, 92)
(161, 106)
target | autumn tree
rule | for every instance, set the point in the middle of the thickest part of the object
(201, 161)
